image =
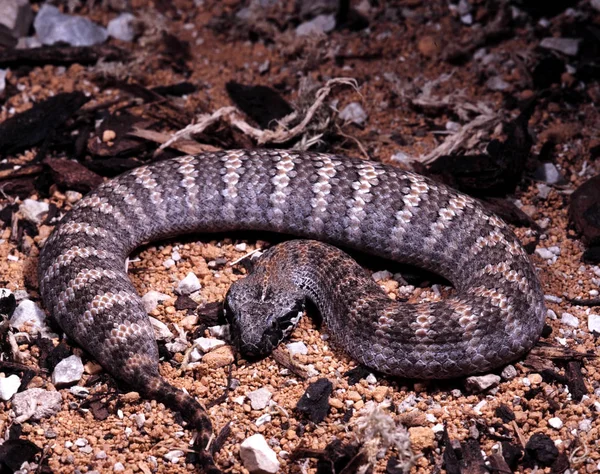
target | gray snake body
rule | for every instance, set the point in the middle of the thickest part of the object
(496, 316)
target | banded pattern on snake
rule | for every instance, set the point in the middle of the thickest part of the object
(496, 315)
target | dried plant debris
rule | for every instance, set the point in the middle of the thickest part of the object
(37, 124)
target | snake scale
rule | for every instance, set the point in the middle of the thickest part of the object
(496, 315)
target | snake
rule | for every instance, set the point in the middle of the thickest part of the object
(495, 315)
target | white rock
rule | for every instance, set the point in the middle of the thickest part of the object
(259, 399)
(585, 425)
(140, 420)
(79, 391)
(81, 442)
(261, 420)
(480, 383)
(354, 113)
(544, 253)
(176, 256)
(118, 467)
(52, 26)
(29, 312)
(257, 456)
(319, 25)
(189, 284)
(101, 455)
(161, 330)
(168, 263)
(73, 196)
(122, 27)
(402, 158)
(35, 404)
(174, 456)
(543, 190)
(568, 46)
(9, 386)
(594, 323)
(195, 355)
(68, 371)
(509, 372)
(371, 379)
(176, 346)
(548, 172)
(241, 247)
(34, 211)
(555, 423)
(569, 320)
(207, 344)
(297, 348)
(496, 83)
(151, 300)
(382, 275)
(222, 331)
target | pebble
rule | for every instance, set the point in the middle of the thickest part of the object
(35, 404)
(174, 456)
(261, 420)
(480, 383)
(402, 158)
(151, 300)
(161, 330)
(297, 348)
(68, 371)
(535, 379)
(122, 27)
(81, 442)
(543, 190)
(548, 173)
(9, 386)
(551, 314)
(509, 372)
(371, 379)
(569, 320)
(73, 196)
(34, 211)
(220, 357)
(553, 299)
(79, 391)
(16, 15)
(354, 113)
(382, 275)
(555, 423)
(421, 438)
(52, 26)
(118, 467)
(496, 83)
(207, 344)
(585, 425)
(257, 456)
(319, 25)
(259, 399)
(195, 355)
(189, 284)
(29, 312)
(568, 46)
(379, 393)
(241, 247)
(168, 263)
(594, 323)
(544, 253)
(101, 455)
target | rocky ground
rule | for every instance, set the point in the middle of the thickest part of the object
(497, 99)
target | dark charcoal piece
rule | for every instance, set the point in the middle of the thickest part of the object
(512, 454)
(177, 90)
(505, 413)
(473, 462)
(541, 449)
(261, 103)
(211, 314)
(69, 174)
(547, 72)
(315, 401)
(591, 255)
(35, 125)
(58, 353)
(493, 174)
(584, 211)
(99, 410)
(14, 452)
(8, 303)
(356, 374)
(575, 380)
(451, 462)
(185, 302)
(338, 457)
(59, 55)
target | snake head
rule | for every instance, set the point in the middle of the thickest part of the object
(261, 316)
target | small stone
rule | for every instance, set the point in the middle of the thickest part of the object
(402, 158)
(79, 391)
(257, 456)
(101, 455)
(379, 393)
(261, 420)
(569, 320)
(421, 438)
(543, 190)
(122, 27)
(68, 371)
(496, 83)
(297, 348)
(118, 467)
(29, 313)
(189, 284)
(544, 253)
(555, 423)
(382, 275)
(594, 323)
(52, 26)
(151, 300)
(241, 247)
(108, 136)
(319, 25)
(314, 403)
(92, 368)
(130, 397)
(34, 211)
(35, 404)
(73, 196)
(81, 442)
(161, 330)
(535, 379)
(9, 386)
(207, 344)
(567, 46)
(174, 456)
(168, 263)
(481, 382)
(220, 357)
(354, 113)
(428, 46)
(195, 355)
(371, 379)
(259, 399)
(549, 173)
(585, 425)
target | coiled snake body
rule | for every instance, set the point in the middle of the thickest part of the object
(497, 313)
